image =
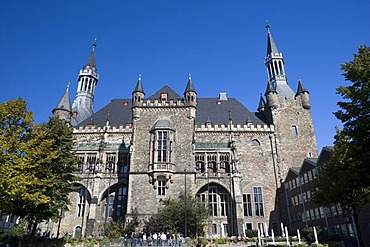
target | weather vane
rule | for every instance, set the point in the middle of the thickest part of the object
(94, 44)
(267, 26)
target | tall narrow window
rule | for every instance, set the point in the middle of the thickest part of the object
(224, 199)
(294, 131)
(81, 201)
(110, 202)
(123, 163)
(161, 189)
(247, 205)
(212, 200)
(121, 198)
(162, 146)
(258, 201)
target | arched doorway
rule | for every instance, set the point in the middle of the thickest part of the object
(78, 232)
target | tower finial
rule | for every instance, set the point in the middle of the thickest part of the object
(139, 78)
(94, 44)
(189, 77)
(68, 84)
(268, 26)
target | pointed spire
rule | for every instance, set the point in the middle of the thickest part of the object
(301, 88)
(270, 88)
(271, 46)
(139, 86)
(262, 104)
(189, 86)
(91, 62)
(64, 103)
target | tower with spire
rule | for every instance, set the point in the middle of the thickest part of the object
(83, 105)
(289, 112)
(63, 109)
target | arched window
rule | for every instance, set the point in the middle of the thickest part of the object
(255, 142)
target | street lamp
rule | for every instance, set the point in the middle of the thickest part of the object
(109, 168)
(90, 169)
(185, 214)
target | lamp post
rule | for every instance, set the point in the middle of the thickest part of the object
(90, 169)
(109, 168)
(185, 213)
(209, 213)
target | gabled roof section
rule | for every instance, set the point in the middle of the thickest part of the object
(166, 89)
(218, 112)
(325, 155)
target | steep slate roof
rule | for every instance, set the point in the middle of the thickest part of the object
(64, 103)
(119, 114)
(217, 111)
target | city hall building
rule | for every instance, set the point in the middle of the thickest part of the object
(137, 151)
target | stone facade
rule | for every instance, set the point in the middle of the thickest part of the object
(135, 152)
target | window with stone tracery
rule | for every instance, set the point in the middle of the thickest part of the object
(81, 202)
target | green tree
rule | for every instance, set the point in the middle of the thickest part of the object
(17, 173)
(172, 214)
(56, 164)
(345, 179)
(36, 165)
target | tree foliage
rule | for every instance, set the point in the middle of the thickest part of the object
(36, 164)
(345, 179)
(171, 216)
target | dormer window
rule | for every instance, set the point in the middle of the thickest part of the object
(164, 96)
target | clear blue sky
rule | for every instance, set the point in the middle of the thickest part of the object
(44, 44)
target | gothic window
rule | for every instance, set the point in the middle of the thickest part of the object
(121, 197)
(258, 201)
(123, 163)
(247, 205)
(161, 188)
(81, 201)
(294, 131)
(212, 162)
(80, 163)
(91, 161)
(225, 161)
(218, 201)
(199, 163)
(110, 162)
